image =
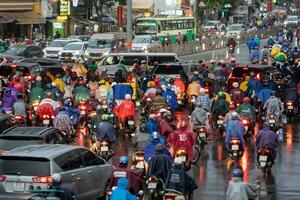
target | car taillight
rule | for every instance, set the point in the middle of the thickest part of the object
(18, 117)
(42, 179)
(104, 143)
(201, 129)
(258, 76)
(289, 103)
(245, 121)
(2, 178)
(234, 141)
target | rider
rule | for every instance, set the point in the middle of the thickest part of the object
(170, 98)
(228, 116)
(204, 100)
(63, 122)
(159, 164)
(237, 189)
(79, 68)
(236, 94)
(267, 138)
(274, 106)
(56, 185)
(183, 139)
(199, 117)
(81, 93)
(141, 139)
(193, 89)
(18, 85)
(246, 110)
(219, 106)
(265, 53)
(232, 42)
(270, 41)
(92, 103)
(37, 92)
(150, 147)
(281, 57)
(125, 109)
(158, 102)
(234, 129)
(20, 107)
(265, 93)
(254, 83)
(121, 192)
(105, 130)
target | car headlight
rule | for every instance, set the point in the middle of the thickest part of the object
(59, 53)
(238, 37)
(285, 23)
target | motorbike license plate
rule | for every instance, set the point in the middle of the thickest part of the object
(180, 159)
(104, 149)
(104, 106)
(263, 158)
(130, 122)
(202, 135)
(46, 121)
(220, 122)
(271, 121)
(82, 112)
(290, 107)
(140, 165)
(152, 185)
(235, 147)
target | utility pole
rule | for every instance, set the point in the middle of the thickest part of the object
(129, 24)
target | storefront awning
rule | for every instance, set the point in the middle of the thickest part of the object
(23, 17)
(83, 21)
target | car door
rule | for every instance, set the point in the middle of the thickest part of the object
(98, 173)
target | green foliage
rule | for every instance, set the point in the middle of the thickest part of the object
(214, 3)
(121, 2)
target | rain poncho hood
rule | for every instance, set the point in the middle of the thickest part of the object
(121, 193)
(170, 98)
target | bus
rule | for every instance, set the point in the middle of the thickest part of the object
(162, 26)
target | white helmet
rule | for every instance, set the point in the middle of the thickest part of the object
(56, 178)
(127, 96)
(234, 115)
(235, 84)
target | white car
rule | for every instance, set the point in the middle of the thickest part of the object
(145, 42)
(235, 31)
(291, 20)
(56, 46)
(211, 25)
(72, 51)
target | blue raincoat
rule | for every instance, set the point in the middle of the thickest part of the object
(121, 193)
(149, 150)
(151, 126)
(264, 94)
(73, 113)
(171, 99)
(234, 129)
(254, 84)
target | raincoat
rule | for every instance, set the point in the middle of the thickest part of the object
(234, 129)
(121, 193)
(140, 140)
(275, 51)
(264, 94)
(157, 103)
(81, 93)
(91, 104)
(159, 166)
(124, 110)
(251, 44)
(170, 98)
(281, 57)
(244, 84)
(179, 85)
(266, 138)
(149, 150)
(59, 83)
(273, 105)
(73, 113)
(151, 126)
(238, 190)
(237, 95)
(93, 86)
(106, 131)
(79, 69)
(164, 128)
(254, 84)
(37, 92)
(68, 91)
(193, 89)
(182, 139)
(199, 118)
(246, 110)
(179, 180)
(8, 101)
(102, 92)
(63, 122)
(220, 106)
(19, 86)
(120, 90)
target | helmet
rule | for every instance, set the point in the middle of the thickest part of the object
(143, 62)
(205, 74)
(67, 102)
(105, 117)
(56, 178)
(143, 127)
(234, 115)
(220, 94)
(167, 114)
(152, 116)
(123, 160)
(155, 135)
(49, 95)
(235, 84)
(212, 61)
(159, 148)
(237, 173)
(246, 100)
(17, 79)
(127, 96)
(151, 84)
(231, 107)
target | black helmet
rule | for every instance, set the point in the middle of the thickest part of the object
(158, 92)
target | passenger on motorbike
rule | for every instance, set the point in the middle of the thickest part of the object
(219, 106)
(71, 111)
(232, 42)
(163, 124)
(125, 109)
(234, 129)
(81, 93)
(265, 53)
(265, 93)
(267, 138)
(92, 103)
(79, 68)
(151, 124)
(18, 85)
(123, 172)
(179, 180)
(237, 189)
(122, 193)
(150, 92)
(236, 94)
(63, 122)
(274, 106)
(170, 97)
(182, 139)
(200, 117)
(158, 102)
(228, 116)
(281, 57)
(193, 89)
(254, 83)
(159, 164)
(246, 110)
(20, 107)
(204, 100)
(105, 130)
(141, 139)
(37, 92)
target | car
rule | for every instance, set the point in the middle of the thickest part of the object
(291, 20)
(30, 167)
(238, 73)
(144, 42)
(235, 31)
(25, 51)
(81, 37)
(43, 62)
(5, 122)
(21, 136)
(28, 70)
(72, 51)
(211, 25)
(171, 70)
(56, 46)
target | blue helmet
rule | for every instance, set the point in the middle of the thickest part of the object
(123, 160)
(237, 173)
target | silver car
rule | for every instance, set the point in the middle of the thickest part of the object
(31, 167)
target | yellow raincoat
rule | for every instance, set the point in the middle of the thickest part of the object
(244, 84)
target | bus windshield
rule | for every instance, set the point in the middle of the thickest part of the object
(146, 28)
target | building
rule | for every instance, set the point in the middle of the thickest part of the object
(20, 17)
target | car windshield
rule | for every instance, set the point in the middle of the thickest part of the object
(15, 165)
(292, 18)
(211, 24)
(58, 43)
(73, 47)
(235, 28)
(168, 69)
(146, 28)
(11, 142)
(15, 50)
(141, 40)
(97, 43)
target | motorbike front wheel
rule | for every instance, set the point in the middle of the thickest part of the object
(196, 155)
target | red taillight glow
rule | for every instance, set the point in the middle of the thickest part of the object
(234, 141)
(258, 76)
(2, 178)
(245, 121)
(82, 107)
(42, 179)
(18, 117)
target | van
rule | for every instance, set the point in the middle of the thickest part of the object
(111, 61)
(105, 43)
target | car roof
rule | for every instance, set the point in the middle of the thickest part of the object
(142, 54)
(67, 39)
(236, 25)
(20, 64)
(78, 43)
(27, 131)
(49, 151)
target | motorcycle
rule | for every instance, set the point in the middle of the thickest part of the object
(202, 137)
(138, 161)
(82, 109)
(247, 126)
(235, 148)
(221, 125)
(289, 109)
(272, 121)
(231, 49)
(102, 148)
(192, 101)
(155, 187)
(130, 127)
(18, 120)
(265, 60)
(264, 159)
(47, 120)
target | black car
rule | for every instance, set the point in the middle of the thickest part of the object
(27, 70)
(5, 122)
(22, 136)
(43, 62)
(25, 51)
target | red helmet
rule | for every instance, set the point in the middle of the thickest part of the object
(49, 95)
(246, 100)
(17, 79)
(231, 107)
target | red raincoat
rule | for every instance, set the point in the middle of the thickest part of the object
(237, 95)
(124, 110)
(20, 87)
(45, 109)
(182, 139)
(179, 84)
